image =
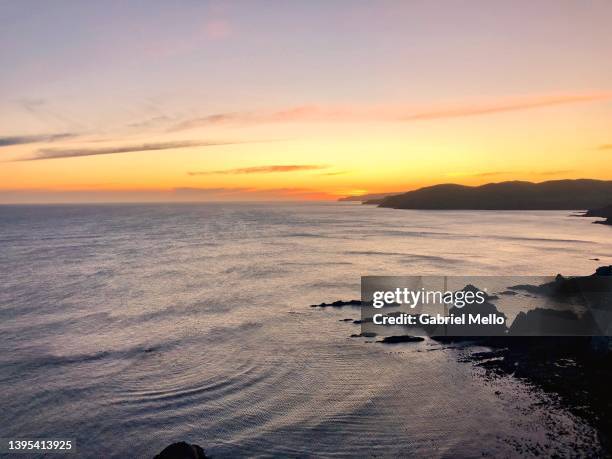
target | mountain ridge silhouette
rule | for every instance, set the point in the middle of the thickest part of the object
(511, 195)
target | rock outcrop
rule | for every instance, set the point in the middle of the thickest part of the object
(182, 450)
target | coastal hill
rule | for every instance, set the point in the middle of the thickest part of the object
(374, 198)
(551, 195)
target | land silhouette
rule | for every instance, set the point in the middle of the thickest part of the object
(604, 212)
(370, 198)
(514, 195)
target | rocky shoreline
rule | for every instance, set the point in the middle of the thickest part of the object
(577, 370)
(603, 212)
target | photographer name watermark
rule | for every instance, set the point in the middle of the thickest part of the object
(486, 305)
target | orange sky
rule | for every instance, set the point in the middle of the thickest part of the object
(219, 106)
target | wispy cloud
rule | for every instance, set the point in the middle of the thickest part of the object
(511, 173)
(263, 169)
(605, 147)
(151, 122)
(43, 110)
(491, 174)
(52, 153)
(389, 113)
(557, 172)
(508, 105)
(25, 139)
(32, 104)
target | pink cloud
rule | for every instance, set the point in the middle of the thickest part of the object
(217, 29)
(263, 169)
(391, 113)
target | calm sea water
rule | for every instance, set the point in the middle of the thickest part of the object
(130, 327)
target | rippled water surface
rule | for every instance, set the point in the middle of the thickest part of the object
(130, 327)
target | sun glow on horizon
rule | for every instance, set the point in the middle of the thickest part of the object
(169, 114)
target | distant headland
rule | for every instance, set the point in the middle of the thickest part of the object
(369, 198)
(515, 195)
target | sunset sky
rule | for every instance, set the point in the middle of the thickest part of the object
(265, 100)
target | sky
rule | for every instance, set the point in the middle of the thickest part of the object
(273, 100)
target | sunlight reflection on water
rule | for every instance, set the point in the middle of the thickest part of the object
(130, 327)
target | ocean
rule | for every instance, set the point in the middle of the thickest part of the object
(129, 327)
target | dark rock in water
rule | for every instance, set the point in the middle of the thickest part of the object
(564, 287)
(592, 292)
(553, 322)
(483, 310)
(484, 340)
(401, 339)
(365, 320)
(603, 212)
(182, 450)
(337, 304)
(364, 335)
